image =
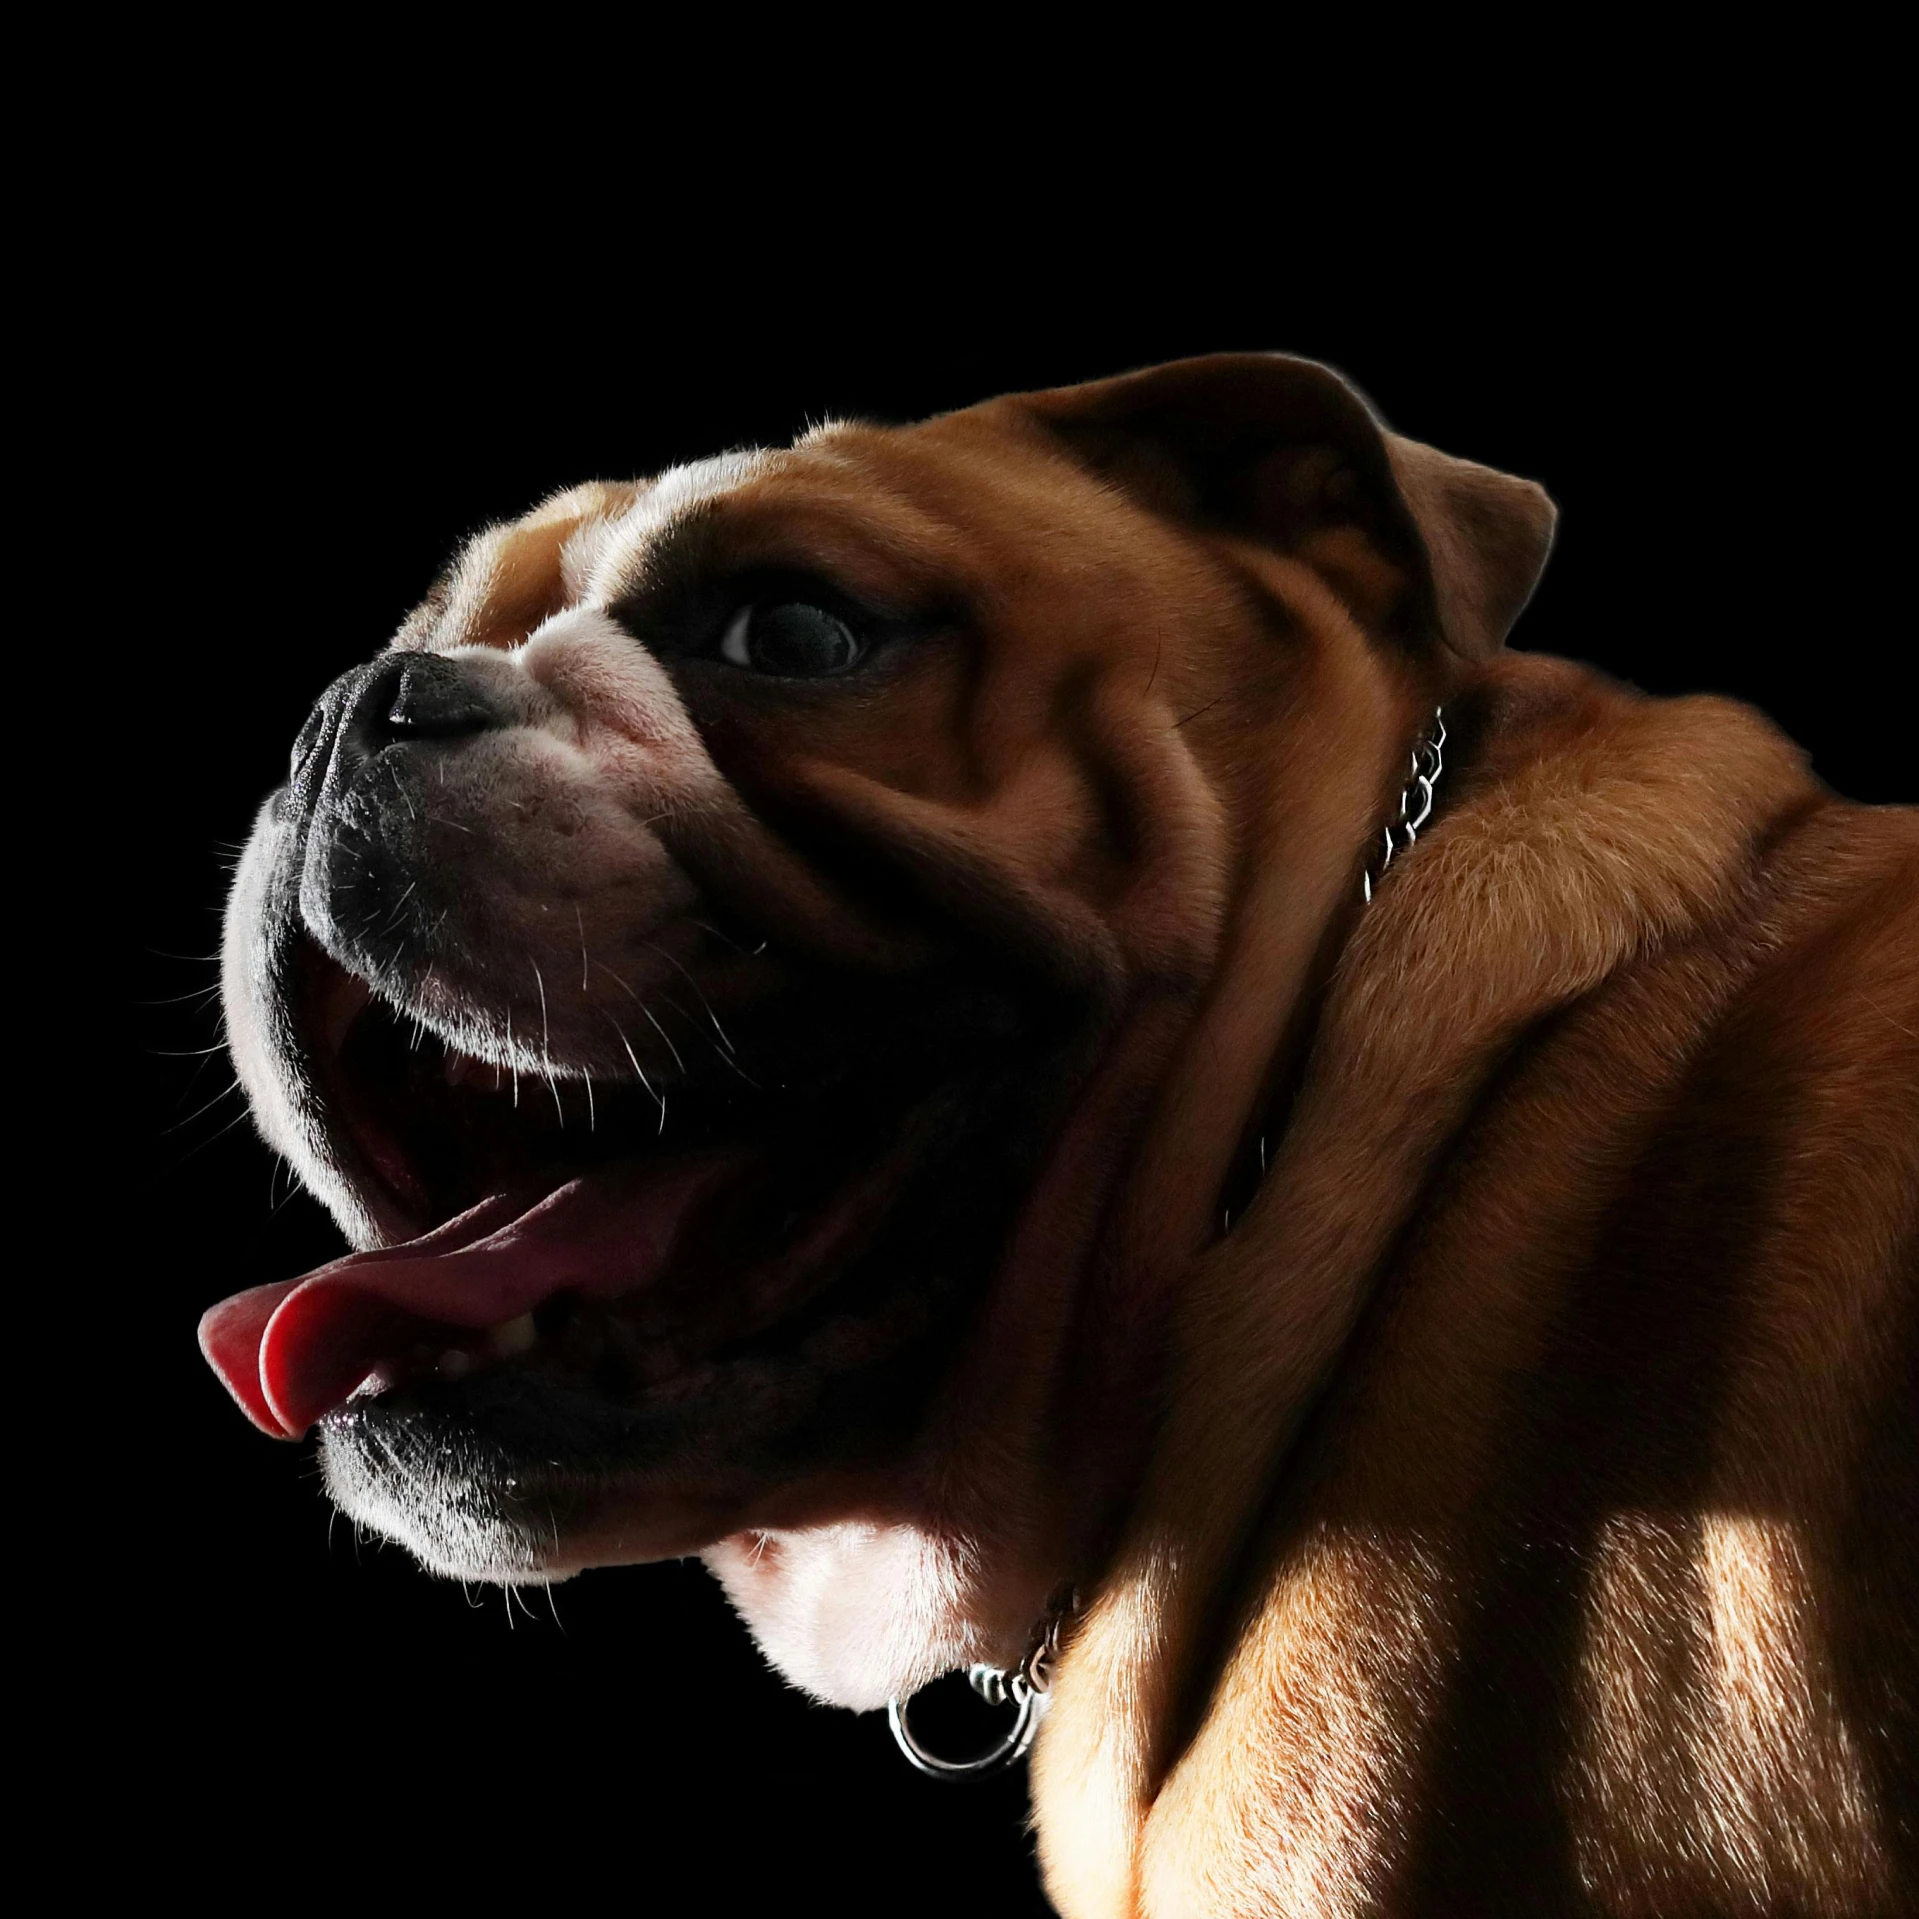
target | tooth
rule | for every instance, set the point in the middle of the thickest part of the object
(454, 1364)
(515, 1337)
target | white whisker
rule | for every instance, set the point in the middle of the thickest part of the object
(641, 1004)
(700, 996)
(546, 1046)
(661, 1030)
(232, 1086)
(546, 1036)
(639, 1070)
(399, 786)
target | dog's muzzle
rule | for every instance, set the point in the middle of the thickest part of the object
(640, 1202)
(344, 813)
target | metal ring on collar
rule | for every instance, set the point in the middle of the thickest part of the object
(1011, 1748)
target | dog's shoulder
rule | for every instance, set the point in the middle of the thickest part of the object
(1582, 1574)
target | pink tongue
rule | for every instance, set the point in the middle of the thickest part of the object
(291, 1352)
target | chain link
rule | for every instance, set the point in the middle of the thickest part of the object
(1415, 802)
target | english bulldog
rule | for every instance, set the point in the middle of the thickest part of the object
(1027, 1004)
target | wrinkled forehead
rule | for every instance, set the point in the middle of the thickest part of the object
(896, 515)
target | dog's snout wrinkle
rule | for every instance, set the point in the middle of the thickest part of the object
(313, 749)
(309, 743)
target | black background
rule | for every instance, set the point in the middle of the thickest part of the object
(299, 423)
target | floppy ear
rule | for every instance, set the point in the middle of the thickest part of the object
(1283, 450)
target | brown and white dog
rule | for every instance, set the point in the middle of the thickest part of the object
(835, 990)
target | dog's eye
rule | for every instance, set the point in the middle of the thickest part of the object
(792, 639)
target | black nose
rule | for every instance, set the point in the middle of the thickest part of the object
(408, 696)
(434, 699)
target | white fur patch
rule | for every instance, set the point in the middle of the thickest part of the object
(853, 1614)
(619, 554)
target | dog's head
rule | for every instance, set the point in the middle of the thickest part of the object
(773, 965)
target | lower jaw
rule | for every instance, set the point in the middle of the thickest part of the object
(516, 1475)
(504, 1528)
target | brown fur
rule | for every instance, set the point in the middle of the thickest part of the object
(1513, 1512)
(1582, 1586)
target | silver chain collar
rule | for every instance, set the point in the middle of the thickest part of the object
(1026, 1685)
(1415, 802)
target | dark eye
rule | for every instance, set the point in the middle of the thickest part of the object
(792, 639)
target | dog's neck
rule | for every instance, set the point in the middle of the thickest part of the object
(1415, 811)
(1119, 1387)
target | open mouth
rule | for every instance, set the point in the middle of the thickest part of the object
(824, 1197)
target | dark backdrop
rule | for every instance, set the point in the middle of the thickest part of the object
(298, 432)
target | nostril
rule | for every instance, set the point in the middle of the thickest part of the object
(434, 699)
(398, 698)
